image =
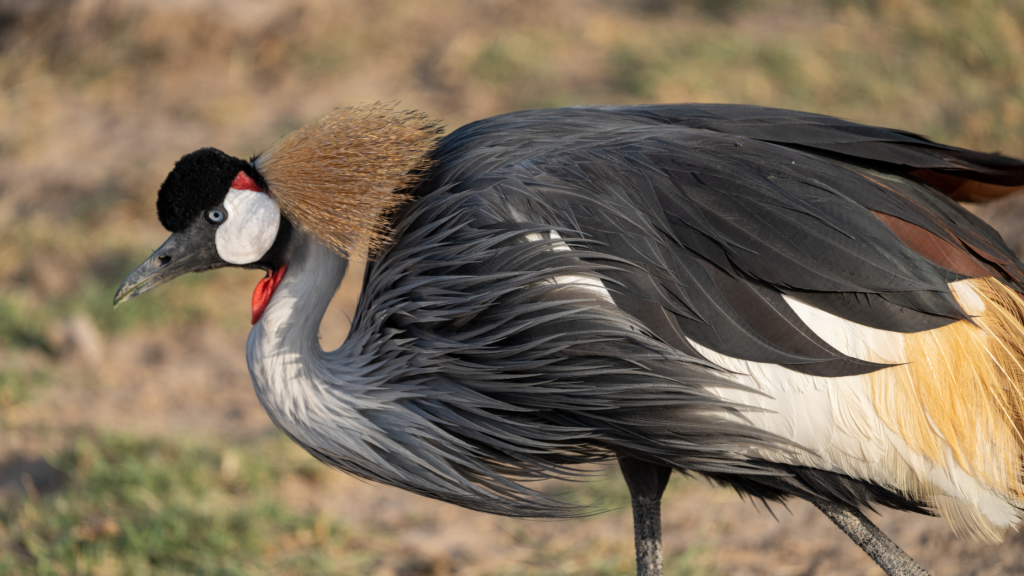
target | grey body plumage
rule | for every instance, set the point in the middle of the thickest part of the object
(544, 296)
(452, 392)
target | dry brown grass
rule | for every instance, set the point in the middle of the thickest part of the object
(99, 97)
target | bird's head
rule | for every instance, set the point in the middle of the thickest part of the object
(220, 214)
(335, 178)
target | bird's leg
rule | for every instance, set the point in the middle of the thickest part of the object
(878, 546)
(646, 483)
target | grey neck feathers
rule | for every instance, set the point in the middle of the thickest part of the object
(457, 380)
(350, 407)
(291, 373)
(364, 408)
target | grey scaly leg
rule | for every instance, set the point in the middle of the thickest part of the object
(878, 546)
(646, 483)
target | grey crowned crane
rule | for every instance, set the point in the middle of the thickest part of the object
(787, 303)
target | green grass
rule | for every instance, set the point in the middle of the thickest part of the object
(607, 491)
(159, 507)
(61, 271)
(19, 326)
(17, 382)
(153, 507)
(25, 318)
(950, 69)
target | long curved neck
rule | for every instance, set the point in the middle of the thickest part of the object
(380, 406)
(284, 353)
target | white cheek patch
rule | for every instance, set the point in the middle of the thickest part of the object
(250, 228)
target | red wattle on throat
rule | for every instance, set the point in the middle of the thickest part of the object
(264, 291)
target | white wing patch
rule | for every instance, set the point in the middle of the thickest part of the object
(250, 228)
(835, 420)
(587, 283)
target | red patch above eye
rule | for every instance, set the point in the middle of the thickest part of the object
(245, 182)
(264, 291)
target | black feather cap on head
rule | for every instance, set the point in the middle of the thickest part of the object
(199, 181)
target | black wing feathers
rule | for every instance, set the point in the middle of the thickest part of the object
(700, 221)
(713, 204)
(825, 134)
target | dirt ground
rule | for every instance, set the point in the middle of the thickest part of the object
(98, 97)
(194, 383)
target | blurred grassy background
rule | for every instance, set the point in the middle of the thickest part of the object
(108, 468)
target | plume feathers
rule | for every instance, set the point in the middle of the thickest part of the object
(339, 176)
(963, 387)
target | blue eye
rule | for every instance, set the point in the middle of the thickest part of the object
(216, 216)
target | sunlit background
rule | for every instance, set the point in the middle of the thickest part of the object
(131, 441)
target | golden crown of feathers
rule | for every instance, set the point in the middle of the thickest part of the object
(340, 176)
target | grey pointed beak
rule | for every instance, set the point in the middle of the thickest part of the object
(186, 251)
